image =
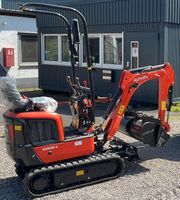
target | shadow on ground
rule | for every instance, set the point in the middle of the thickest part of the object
(12, 188)
(170, 151)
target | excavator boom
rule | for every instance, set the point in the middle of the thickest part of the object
(130, 81)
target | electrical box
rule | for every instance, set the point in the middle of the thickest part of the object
(134, 54)
(8, 57)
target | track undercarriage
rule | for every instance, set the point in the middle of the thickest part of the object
(104, 165)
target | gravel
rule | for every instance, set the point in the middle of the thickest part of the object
(155, 177)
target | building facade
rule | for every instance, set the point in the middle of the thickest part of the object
(122, 33)
(19, 33)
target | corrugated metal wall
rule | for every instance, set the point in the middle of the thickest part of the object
(149, 47)
(103, 17)
(115, 13)
(107, 11)
(122, 11)
(14, 4)
(172, 11)
(54, 78)
(172, 53)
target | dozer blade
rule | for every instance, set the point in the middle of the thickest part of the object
(73, 174)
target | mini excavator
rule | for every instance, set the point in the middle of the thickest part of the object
(51, 158)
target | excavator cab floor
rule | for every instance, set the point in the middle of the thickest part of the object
(71, 133)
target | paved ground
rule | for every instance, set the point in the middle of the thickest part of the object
(155, 177)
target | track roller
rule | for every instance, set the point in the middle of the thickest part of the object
(73, 174)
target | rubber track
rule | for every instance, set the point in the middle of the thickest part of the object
(69, 164)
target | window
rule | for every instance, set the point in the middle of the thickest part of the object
(107, 50)
(112, 50)
(55, 49)
(28, 50)
(65, 49)
(51, 48)
(94, 44)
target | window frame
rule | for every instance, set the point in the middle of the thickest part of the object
(49, 62)
(93, 35)
(61, 61)
(20, 62)
(113, 66)
(101, 63)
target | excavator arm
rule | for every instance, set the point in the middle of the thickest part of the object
(130, 81)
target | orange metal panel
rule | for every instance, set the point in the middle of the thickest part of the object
(65, 150)
(41, 115)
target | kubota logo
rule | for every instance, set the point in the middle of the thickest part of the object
(138, 79)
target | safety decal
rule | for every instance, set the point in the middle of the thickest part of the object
(78, 143)
(17, 128)
(121, 110)
(80, 173)
(163, 105)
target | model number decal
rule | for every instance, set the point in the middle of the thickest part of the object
(49, 148)
(78, 143)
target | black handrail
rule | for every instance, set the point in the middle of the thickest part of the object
(88, 56)
(68, 32)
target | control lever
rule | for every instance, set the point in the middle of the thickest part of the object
(68, 78)
(78, 85)
(86, 89)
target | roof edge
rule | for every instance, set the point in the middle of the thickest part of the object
(16, 13)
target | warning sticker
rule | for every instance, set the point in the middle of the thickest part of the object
(121, 110)
(163, 105)
(78, 143)
(17, 128)
(80, 173)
